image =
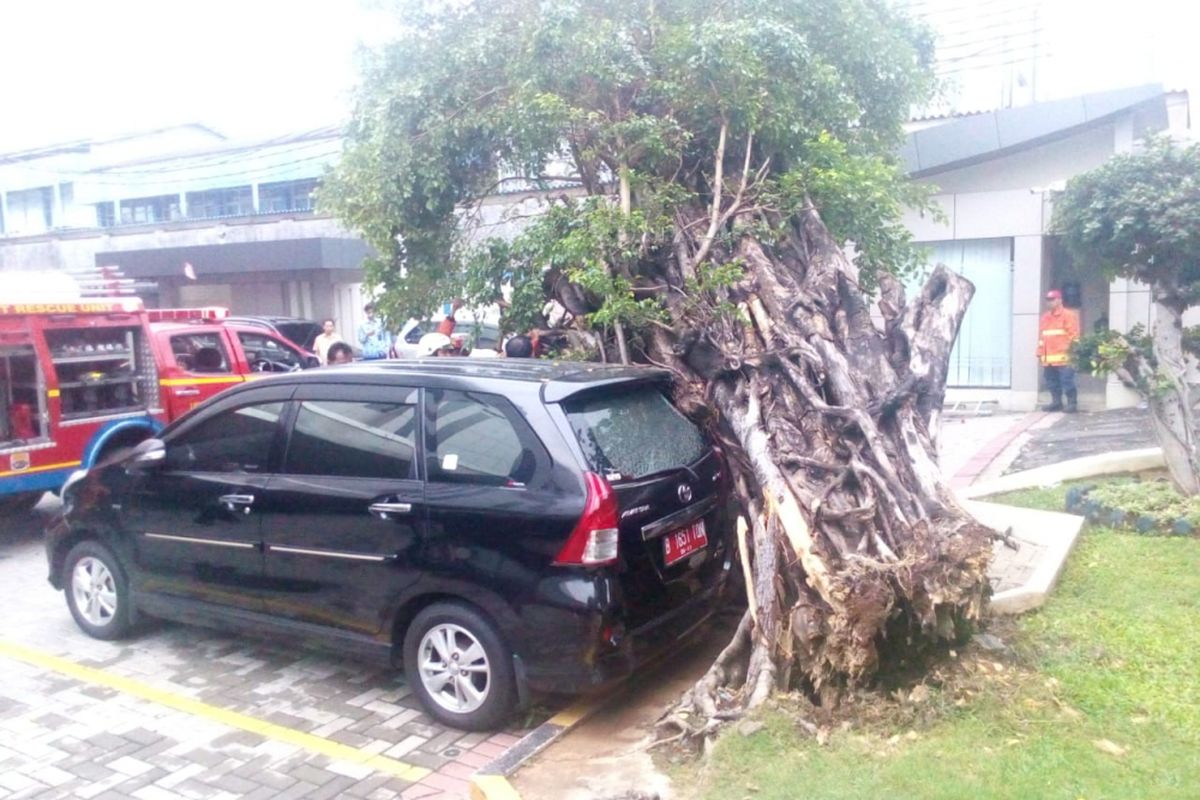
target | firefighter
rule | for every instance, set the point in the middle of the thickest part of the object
(1057, 330)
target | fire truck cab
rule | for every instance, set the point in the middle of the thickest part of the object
(199, 352)
(78, 380)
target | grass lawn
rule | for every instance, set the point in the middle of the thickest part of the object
(1099, 697)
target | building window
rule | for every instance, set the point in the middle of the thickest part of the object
(150, 209)
(982, 354)
(233, 202)
(106, 215)
(286, 196)
(30, 210)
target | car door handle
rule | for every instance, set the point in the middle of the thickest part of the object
(234, 501)
(385, 510)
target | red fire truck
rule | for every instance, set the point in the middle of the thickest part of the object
(77, 380)
(81, 378)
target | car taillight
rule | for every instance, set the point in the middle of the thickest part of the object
(594, 542)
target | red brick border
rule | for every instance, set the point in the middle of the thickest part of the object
(982, 459)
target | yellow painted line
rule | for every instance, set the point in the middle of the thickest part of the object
(45, 468)
(570, 715)
(493, 787)
(199, 381)
(232, 719)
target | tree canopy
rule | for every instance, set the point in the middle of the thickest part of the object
(1138, 216)
(625, 99)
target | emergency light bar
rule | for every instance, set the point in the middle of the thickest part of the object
(205, 313)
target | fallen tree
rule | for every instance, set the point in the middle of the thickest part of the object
(698, 154)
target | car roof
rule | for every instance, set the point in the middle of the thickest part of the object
(207, 326)
(556, 380)
(271, 318)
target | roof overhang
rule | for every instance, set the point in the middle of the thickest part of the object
(982, 137)
(282, 255)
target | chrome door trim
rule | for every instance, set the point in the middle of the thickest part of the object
(196, 540)
(304, 551)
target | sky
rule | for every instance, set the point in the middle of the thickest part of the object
(249, 68)
(73, 69)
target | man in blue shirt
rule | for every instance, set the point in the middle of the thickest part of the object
(373, 337)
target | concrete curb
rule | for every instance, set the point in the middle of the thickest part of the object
(1052, 474)
(491, 782)
(1055, 531)
(1051, 530)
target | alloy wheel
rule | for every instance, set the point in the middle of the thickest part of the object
(454, 668)
(95, 590)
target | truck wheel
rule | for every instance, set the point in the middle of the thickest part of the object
(459, 667)
(13, 505)
(97, 591)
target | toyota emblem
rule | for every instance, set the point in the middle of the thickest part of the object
(685, 493)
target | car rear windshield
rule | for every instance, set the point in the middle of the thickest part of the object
(634, 432)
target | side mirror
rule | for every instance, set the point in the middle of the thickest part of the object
(311, 361)
(148, 454)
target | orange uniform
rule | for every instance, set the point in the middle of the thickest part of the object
(1057, 329)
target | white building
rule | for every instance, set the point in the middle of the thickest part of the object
(995, 173)
(204, 219)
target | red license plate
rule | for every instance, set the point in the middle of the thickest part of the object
(683, 542)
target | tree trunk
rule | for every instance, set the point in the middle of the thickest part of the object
(852, 541)
(1171, 402)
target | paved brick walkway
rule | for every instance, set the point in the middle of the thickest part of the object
(183, 712)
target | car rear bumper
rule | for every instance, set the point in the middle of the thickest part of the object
(591, 650)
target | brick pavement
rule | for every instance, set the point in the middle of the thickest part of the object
(183, 712)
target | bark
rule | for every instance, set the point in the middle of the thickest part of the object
(1172, 406)
(852, 543)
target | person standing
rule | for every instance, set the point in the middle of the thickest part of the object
(327, 337)
(340, 353)
(373, 337)
(1057, 330)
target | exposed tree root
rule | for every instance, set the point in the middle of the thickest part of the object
(851, 541)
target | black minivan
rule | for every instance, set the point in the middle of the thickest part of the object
(497, 527)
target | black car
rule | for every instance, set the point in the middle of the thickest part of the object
(302, 332)
(498, 527)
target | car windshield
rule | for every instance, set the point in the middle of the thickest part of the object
(635, 432)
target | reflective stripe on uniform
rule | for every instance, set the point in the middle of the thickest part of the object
(1054, 332)
(1055, 359)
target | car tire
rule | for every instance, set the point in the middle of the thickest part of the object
(448, 638)
(97, 591)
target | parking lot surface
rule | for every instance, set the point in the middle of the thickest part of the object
(180, 711)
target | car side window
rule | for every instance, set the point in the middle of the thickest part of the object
(238, 440)
(268, 354)
(200, 352)
(353, 439)
(480, 439)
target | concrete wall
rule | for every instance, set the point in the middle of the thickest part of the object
(307, 293)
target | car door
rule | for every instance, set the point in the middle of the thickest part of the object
(266, 353)
(203, 367)
(347, 508)
(194, 520)
(496, 515)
